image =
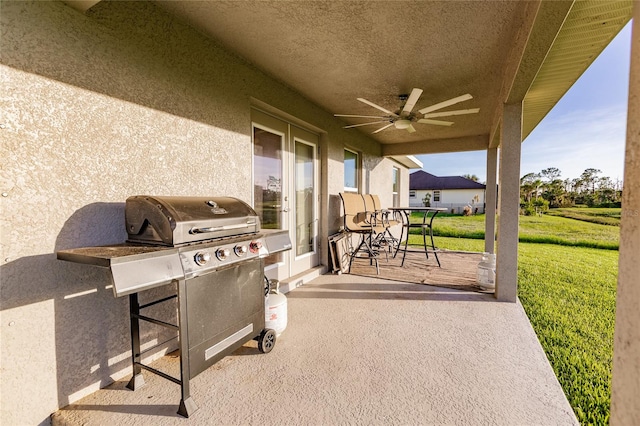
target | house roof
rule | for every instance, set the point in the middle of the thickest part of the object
(423, 180)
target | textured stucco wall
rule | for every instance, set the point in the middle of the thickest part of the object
(509, 204)
(451, 198)
(95, 108)
(461, 196)
(123, 101)
(404, 187)
(625, 384)
(491, 196)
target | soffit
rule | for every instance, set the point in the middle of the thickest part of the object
(588, 29)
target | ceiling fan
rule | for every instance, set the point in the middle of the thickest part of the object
(404, 117)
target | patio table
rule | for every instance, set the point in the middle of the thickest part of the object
(428, 214)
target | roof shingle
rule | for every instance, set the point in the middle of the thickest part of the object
(421, 180)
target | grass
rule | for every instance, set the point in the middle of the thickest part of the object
(609, 217)
(568, 293)
(568, 232)
(534, 229)
(569, 296)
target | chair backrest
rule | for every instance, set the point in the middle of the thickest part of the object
(374, 207)
(376, 202)
(354, 211)
(388, 218)
(370, 203)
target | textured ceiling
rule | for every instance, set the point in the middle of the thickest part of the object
(334, 52)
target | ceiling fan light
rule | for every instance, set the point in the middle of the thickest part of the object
(402, 124)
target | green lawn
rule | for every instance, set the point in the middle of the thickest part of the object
(564, 231)
(569, 296)
(535, 229)
(595, 215)
(568, 292)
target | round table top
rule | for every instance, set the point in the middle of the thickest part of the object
(418, 208)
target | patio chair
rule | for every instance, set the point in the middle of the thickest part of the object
(384, 218)
(358, 220)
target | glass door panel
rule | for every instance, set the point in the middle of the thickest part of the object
(267, 177)
(305, 195)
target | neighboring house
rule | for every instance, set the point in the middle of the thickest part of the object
(452, 192)
(274, 184)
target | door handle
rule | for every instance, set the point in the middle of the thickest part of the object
(285, 210)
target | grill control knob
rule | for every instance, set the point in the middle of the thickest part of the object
(222, 254)
(255, 246)
(202, 257)
(240, 250)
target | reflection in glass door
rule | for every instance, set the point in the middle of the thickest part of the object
(267, 177)
(303, 191)
(305, 194)
(267, 182)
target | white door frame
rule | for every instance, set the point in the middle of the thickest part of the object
(289, 263)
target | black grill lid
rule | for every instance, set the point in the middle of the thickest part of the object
(175, 221)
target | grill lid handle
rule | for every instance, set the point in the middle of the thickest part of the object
(220, 228)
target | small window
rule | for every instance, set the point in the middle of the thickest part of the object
(436, 196)
(412, 194)
(350, 171)
(396, 187)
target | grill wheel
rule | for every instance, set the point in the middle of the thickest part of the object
(266, 340)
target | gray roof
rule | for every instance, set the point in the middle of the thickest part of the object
(423, 180)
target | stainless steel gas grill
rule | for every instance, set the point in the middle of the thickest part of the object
(213, 249)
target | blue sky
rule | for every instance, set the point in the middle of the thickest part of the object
(586, 128)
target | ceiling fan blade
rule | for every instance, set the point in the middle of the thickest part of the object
(446, 103)
(436, 122)
(382, 128)
(449, 113)
(377, 107)
(359, 116)
(411, 100)
(411, 129)
(365, 124)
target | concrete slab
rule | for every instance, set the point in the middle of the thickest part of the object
(361, 350)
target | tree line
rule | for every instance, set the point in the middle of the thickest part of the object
(544, 190)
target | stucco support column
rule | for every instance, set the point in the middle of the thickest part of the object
(509, 204)
(625, 386)
(490, 198)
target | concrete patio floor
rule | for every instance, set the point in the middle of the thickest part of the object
(362, 350)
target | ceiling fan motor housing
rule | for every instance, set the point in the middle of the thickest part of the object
(402, 123)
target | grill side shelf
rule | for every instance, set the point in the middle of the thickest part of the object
(133, 268)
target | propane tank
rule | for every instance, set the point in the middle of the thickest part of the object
(275, 308)
(486, 276)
